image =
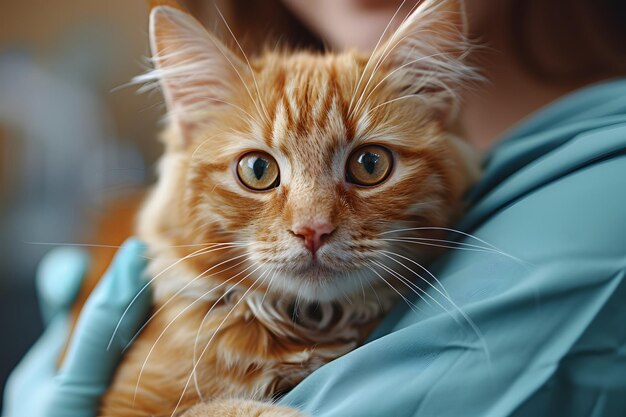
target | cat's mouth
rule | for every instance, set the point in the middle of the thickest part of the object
(304, 263)
(333, 272)
(323, 267)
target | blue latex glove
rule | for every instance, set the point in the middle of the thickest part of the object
(36, 388)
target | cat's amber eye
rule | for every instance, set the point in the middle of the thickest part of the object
(258, 171)
(369, 165)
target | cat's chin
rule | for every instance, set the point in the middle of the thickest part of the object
(316, 282)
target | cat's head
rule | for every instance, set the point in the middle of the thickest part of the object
(306, 166)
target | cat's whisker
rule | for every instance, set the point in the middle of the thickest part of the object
(360, 278)
(380, 61)
(234, 67)
(449, 67)
(463, 314)
(228, 103)
(380, 39)
(346, 296)
(436, 245)
(222, 232)
(88, 245)
(415, 289)
(241, 242)
(445, 229)
(272, 270)
(458, 245)
(97, 245)
(258, 393)
(198, 227)
(453, 243)
(424, 292)
(81, 245)
(294, 313)
(146, 285)
(256, 85)
(199, 252)
(195, 346)
(212, 223)
(443, 290)
(177, 293)
(199, 358)
(267, 290)
(201, 144)
(460, 232)
(214, 248)
(369, 284)
(416, 96)
(195, 359)
(200, 298)
(412, 306)
(373, 90)
(385, 53)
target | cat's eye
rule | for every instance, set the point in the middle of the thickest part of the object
(258, 171)
(369, 165)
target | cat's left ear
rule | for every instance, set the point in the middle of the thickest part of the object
(196, 71)
(427, 52)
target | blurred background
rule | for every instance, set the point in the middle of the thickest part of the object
(73, 135)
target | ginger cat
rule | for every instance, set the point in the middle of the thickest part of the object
(293, 187)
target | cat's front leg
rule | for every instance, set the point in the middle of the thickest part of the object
(241, 408)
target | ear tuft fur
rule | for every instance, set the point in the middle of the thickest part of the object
(194, 69)
(428, 51)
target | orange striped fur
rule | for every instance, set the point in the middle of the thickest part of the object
(242, 312)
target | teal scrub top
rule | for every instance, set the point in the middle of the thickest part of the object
(534, 328)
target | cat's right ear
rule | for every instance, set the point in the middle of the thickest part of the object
(427, 54)
(195, 70)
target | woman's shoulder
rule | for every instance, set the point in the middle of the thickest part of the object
(562, 173)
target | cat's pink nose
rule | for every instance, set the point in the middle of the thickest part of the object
(314, 235)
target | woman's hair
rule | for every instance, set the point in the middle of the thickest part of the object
(255, 23)
(569, 41)
(557, 41)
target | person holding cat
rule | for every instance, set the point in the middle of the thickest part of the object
(528, 318)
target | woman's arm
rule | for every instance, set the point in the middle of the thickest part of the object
(36, 388)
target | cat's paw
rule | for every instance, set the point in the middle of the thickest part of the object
(241, 408)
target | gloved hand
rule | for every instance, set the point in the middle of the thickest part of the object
(36, 388)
